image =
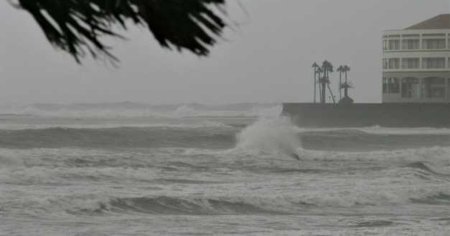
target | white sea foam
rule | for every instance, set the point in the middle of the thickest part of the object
(175, 188)
(93, 124)
(406, 131)
(73, 184)
(129, 110)
(385, 130)
(270, 135)
(429, 154)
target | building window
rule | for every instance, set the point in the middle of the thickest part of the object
(394, 63)
(391, 85)
(411, 44)
(394, 44)
(433, 63)
(434, 87)
(394, 85)
(410, 88)
(385, 63)
(410, 63)
(434, 44)
(385, 45)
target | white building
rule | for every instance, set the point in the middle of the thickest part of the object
(416, 63)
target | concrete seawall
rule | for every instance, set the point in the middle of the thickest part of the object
(363, 115)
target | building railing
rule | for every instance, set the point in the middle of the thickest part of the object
(425, 63)
(399, 41)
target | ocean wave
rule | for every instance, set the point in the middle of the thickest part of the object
(422, 166)
(275, 136)
(379, 130)
(433, 199)
(270, 134)
(228, 205)
(311, 200)
(423, 160)
(124, 137)
(358, 140)
(425, 154)
(152, 205)
(129, 109)
(375, 223)
(406, 131)
(89, 124)
(185, 206)
(277, 186)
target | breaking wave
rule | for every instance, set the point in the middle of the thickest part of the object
(118, 138)
(238, 205)
(165, 205)
(270, 135)
(130, 110)
(434, 199)
(400, 178)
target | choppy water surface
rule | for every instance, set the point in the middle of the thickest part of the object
(128, 169)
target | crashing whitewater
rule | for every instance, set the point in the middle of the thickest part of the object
(216, 170)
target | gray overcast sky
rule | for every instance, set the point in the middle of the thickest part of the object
(267, 58)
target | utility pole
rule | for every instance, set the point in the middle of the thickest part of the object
(316, 72)
(319, 77)
(347, 85)
(340, 69)
(332, 95)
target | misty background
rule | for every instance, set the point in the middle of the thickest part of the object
(265, 57)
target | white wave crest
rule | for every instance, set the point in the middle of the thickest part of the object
(129, 110)
(386, 130)
(270, 135)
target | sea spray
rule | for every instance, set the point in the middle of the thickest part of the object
(270, 135)
(192, 180)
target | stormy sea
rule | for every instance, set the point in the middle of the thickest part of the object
(242, 169)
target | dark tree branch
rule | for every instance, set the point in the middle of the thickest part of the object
(76, 26)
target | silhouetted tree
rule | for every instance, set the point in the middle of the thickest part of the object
(327, 68)
(346, 85)
(77, 26)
